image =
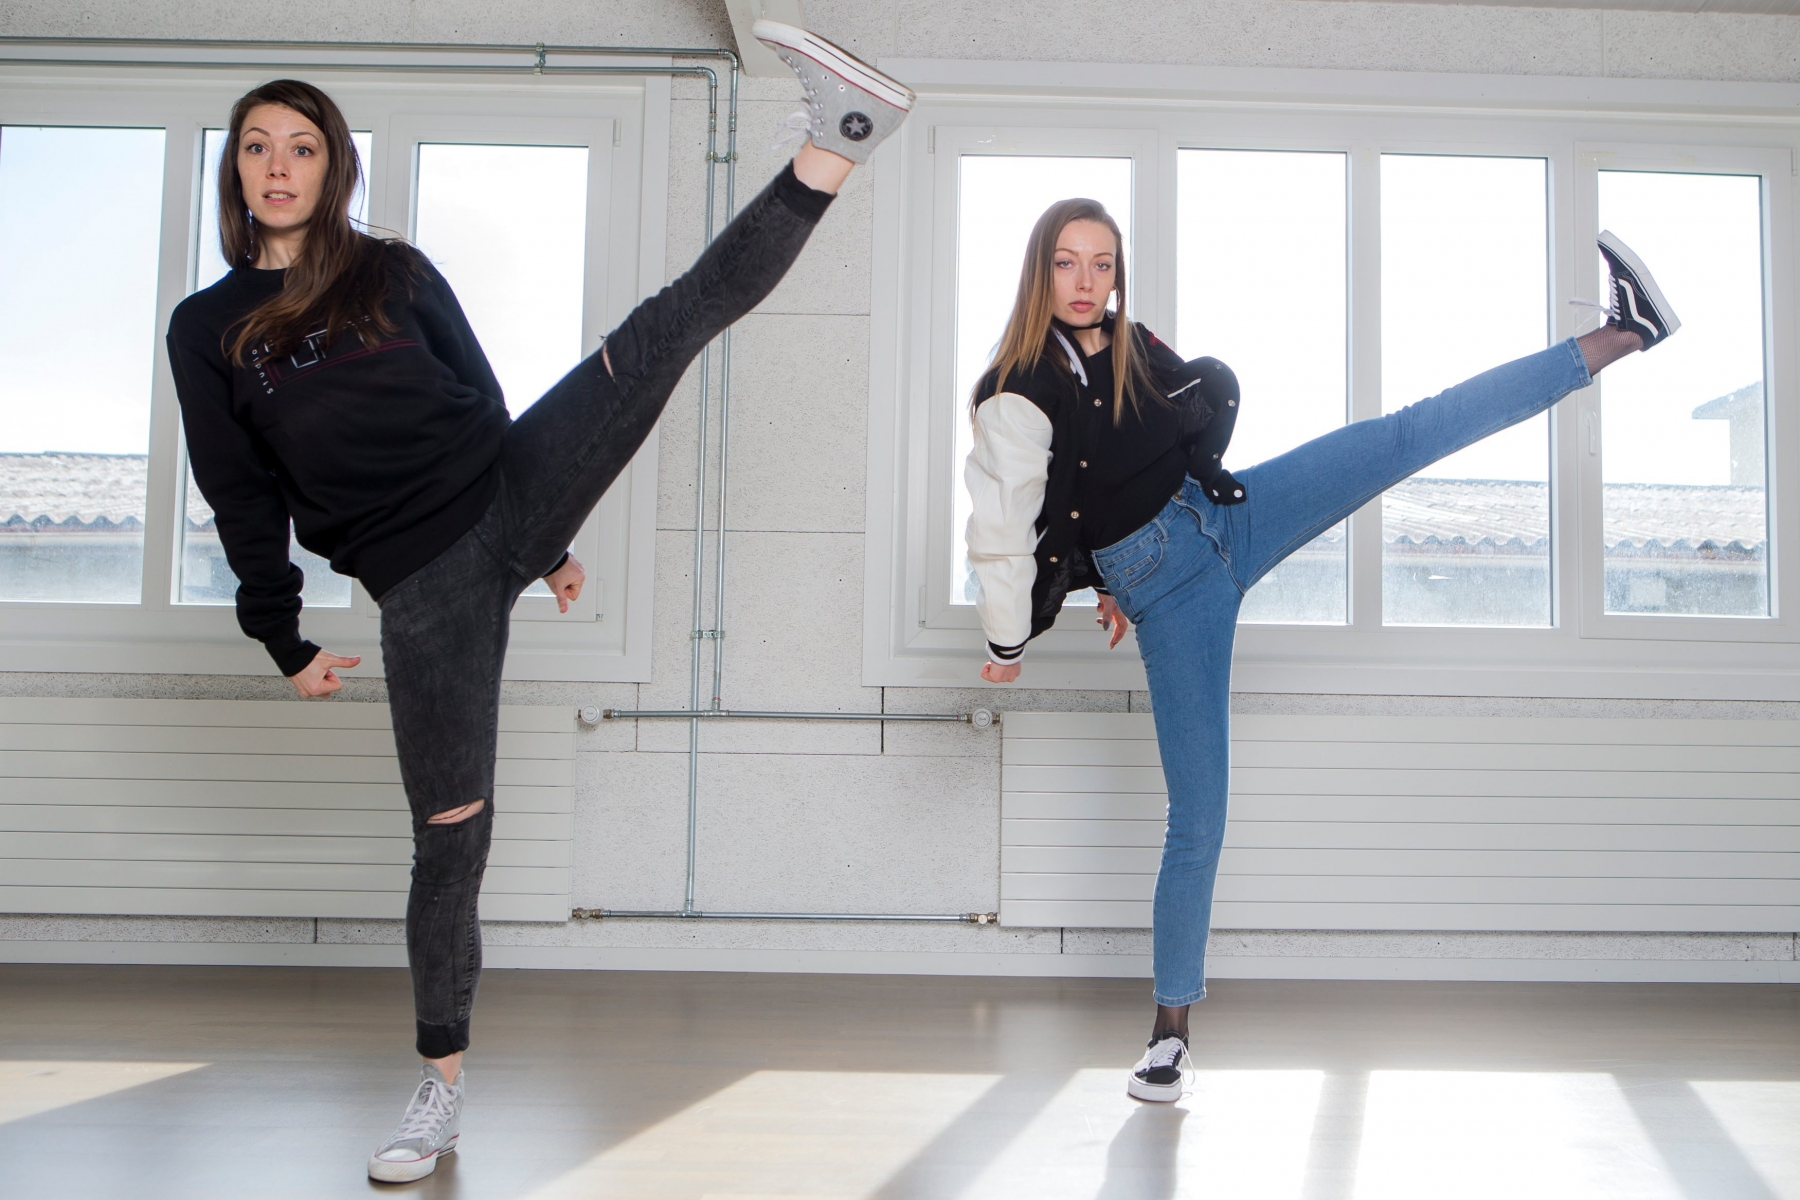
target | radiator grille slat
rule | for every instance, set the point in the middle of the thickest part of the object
(1418, 823)
(256, 808)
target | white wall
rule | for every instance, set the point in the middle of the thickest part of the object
(843, 817)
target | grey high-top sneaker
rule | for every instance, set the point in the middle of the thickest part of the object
(430, 1128)
(850, 105)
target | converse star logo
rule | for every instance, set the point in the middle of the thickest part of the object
(856, 126)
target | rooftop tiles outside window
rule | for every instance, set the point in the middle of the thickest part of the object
(1255, 228)
(1685, 511)
(78, 273)
(1466, 541)
(206, 578)
(999, 199)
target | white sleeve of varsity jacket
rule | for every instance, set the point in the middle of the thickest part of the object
(1006, 474)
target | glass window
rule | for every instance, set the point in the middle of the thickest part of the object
(206, 578)
(1466, 541)
(507, 226)
(1250, 224)
(1685, 517)
(78, 272)
(999, 199)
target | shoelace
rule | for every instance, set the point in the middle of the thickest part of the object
(798, 127)
(1606, 312)
(1165, 1053)
(426, 1115)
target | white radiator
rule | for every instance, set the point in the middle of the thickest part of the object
(255, 808)
(1419, 823)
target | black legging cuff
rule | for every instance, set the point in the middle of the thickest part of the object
(807, 203)
(441, 1041)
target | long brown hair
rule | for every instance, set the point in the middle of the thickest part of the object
(340, 279)
(1028, 329)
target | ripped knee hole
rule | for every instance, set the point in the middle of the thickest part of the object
(456, 816)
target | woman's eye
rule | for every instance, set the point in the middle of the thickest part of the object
(1102, 266)
(1064, 263)
(303, 151)
(253, 148)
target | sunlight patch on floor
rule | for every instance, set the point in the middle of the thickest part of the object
(1235, 1134)
(1763, 1118)
(800, 1135)
(1501, 1135)
(29, 1087)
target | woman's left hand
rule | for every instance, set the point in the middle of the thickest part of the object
(565, 582)
(1111, 616)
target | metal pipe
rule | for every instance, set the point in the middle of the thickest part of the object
(981, 718)
(699, 616)
(408, 47)
(597, 914)
(724, 428)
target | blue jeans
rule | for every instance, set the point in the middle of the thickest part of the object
(1181, 578)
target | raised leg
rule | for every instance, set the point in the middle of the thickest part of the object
(1296, 496)
(565, 451)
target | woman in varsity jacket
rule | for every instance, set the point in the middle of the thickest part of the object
(331, 383)
(1098, 462)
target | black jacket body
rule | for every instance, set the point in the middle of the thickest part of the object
(381, 457)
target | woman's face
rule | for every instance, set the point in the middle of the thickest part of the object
(281, 165)
(1081, 271)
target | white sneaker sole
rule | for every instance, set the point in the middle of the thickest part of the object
(383, 1171)
(1611, 241)
(887, 90)
(1159, 1093)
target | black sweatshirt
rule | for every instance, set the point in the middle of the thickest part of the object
(382, 458)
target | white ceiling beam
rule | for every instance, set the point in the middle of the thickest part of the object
(758, 59)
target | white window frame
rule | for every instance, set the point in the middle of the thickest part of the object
(912, 638)
(1775, 168)
(623, 122)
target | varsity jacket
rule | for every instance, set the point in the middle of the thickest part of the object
(1033, 445)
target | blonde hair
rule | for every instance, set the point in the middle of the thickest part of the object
(1028, 328)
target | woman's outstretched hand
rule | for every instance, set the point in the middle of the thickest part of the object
(993, 672)
(320, 676)
(1111, 617)
(565, 583)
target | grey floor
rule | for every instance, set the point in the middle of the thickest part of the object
(197, 1082)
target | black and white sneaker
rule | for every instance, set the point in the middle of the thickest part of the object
(850, 106)
(1637, 303)
(1161, 1075)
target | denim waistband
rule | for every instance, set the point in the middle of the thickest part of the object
(1189, 497)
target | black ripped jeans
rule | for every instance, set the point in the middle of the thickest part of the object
(443, 629)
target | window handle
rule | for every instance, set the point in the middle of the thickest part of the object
(1593, 435)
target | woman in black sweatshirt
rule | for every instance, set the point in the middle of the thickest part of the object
(331, 380)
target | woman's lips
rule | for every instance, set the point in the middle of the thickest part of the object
(1082, 306)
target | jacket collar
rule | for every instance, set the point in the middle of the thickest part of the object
(1065, 337)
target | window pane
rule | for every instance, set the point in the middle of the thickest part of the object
(76, 359)
(1685, 516)
(507, 226)
(1251, 224)
(1466, 541)
(999, 199)
(206, 578)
